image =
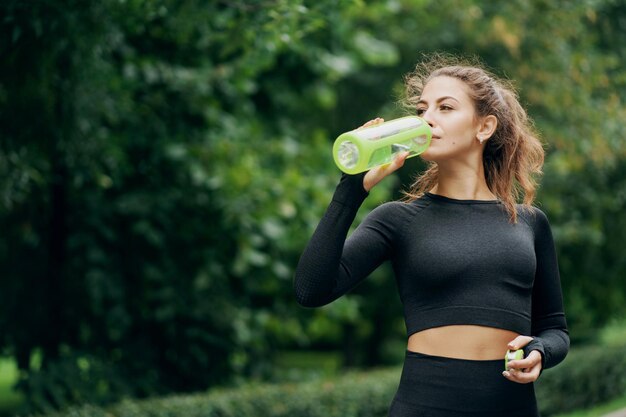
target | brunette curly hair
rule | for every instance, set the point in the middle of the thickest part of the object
(513, 157)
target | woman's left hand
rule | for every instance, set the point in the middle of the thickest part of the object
(527, 370)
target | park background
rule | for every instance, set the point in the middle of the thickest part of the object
(163, 163)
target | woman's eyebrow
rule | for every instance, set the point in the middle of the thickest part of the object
(439, 100)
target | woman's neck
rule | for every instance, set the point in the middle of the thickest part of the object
(463, 183)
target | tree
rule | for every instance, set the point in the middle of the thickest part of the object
(163, 163)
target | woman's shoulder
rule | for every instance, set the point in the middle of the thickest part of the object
(535, 217)
(531, 211)
(398, 210)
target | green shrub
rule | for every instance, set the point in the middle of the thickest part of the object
(614, 333)
(588, 376)
(355, 394)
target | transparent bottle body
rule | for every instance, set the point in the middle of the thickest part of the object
(363, 149)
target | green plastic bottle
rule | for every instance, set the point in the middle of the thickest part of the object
(363, 149)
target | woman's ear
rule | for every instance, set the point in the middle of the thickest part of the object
(487, 127)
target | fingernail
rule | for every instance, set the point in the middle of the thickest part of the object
(505, 373)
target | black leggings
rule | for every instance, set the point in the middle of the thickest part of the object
(435, 386)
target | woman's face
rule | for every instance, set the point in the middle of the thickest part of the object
(447, 107)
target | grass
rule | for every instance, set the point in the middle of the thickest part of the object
(305, 365)
(601, 410)
(10, 400)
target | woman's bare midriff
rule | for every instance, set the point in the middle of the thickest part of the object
(462, 342)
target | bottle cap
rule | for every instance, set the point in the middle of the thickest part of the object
(512, 355)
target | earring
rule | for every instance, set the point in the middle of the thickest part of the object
(481, 140)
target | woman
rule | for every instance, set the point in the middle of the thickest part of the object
(477, 273)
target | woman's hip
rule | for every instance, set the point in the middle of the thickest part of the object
(439, 386)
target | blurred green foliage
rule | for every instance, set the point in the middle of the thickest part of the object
(163, 163)
(589, 376)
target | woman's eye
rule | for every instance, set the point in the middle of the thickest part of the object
(420, 111)
(445, 107)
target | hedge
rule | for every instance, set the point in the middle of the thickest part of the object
(587, 377)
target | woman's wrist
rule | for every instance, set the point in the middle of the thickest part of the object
(350, 190)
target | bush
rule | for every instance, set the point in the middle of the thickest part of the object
(587, 377)
(355, 394)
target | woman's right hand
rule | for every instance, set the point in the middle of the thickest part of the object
(376, 175)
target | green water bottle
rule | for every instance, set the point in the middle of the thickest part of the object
(363, 149)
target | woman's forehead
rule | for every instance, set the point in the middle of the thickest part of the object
(445, 86)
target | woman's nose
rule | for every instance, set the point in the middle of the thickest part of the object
(427, 116)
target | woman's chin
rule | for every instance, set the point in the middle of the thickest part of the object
(428, 155)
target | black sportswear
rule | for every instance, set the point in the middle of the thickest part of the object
(436, 386)
(455, 262)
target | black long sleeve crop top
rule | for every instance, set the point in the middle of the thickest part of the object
(455, 262)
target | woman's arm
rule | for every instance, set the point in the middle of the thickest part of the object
(549, 327)
(549, 341)
(330, 266)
